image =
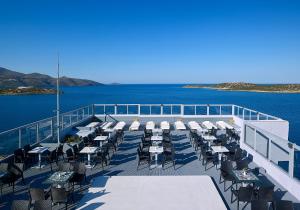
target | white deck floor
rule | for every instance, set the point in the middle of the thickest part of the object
(152, 193)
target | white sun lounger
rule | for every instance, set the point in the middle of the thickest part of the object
(193, 125)
(107, 125)
(208, 125)
(150, 125)
(135, 125)
(179, 125)
(165, 125)
(120, 125)
(223, 125)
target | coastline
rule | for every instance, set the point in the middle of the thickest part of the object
(26, 91)
(242, 90)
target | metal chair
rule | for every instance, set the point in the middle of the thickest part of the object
(59, 195)
(243, 194)
(283, 205)
(36, 194)
(226, 173)
(20, 205)
(42, 205)
(259, 205)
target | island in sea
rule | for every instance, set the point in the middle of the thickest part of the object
(16, 83)
(250, 87)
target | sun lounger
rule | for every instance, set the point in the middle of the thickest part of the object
(150, 125)
(120, 125)
(223, 125)
(165, 125)
(208, 125)
(135, 125)
(179, 125)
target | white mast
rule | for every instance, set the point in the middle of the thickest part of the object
(57, 102)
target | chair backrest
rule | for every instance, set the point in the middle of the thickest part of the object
(26, 148)
(283, 205)
(3, 167)
(19, 155)
(69, 152)
(15, 170)
(266, 192)
(58, 195)
(242, 164)
(64, 166)
(80, 168)
(59, 150)
(20, 205)
(42, 205)
(53, 155)
(37, 194)
(226, 166)
(75, 149)
(259, 205)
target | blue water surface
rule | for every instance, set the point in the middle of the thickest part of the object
(19, 110)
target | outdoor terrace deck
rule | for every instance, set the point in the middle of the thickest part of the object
(124, 163)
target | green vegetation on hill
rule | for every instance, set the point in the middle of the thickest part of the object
(240, 86)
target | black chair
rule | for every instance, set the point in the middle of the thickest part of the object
(243, 194)
(143, 157)
(79, 174)
(208, 157)
(283, 205)
(102, 156)
(259, 205)
(64, 166)
(265, 193)
(36, 194)
(70, 155)
(148, 133)
(60, 151)
(226, 173)
(51, 158)
(20, 205)
(13, 174)
(169, 156)
(19, 156)
(242, 164)
(198, 143)
(42, 205)
(60, 195)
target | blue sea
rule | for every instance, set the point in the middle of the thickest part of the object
(19, 110)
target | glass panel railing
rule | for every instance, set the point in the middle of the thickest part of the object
(246, 114)
(121, 109)
(279, 155)
(67, 120)
(240, 112)
(45, 128)
(236, 110)
(155, 110)
(189, 110)
(167, 110)
(145, 110)
(176, 109)
(133, 109)
(226, 110)
(253, 115)
(214, 110)
(29, 135)
(262, 144)
(9, 141)
(99, 109)
(249, 136)
(109, 109)
(262, 116)
(201, 110)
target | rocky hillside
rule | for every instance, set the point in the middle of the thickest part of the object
(13, 79)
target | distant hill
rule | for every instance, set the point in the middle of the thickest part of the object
(249, 87)
(13, 79)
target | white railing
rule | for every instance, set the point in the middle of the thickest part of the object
(46, 129)
(41, 131)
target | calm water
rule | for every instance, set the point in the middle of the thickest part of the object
(18, 110)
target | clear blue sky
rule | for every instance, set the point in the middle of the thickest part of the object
(154, 41)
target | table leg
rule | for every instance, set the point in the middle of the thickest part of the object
(89, 159)
(156, 158)
(100, 144)
(40, 160)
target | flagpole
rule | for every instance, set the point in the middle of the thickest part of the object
(58, 102)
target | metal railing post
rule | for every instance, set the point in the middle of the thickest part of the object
(139, 109)
(254, 143)
(52, 127)
(207, 109)
(232, 110)
(181, 109)
(220, 110)
(161, 109)
(269, 149)
(291, 159)
(243, 113)
(37, 133)
(116, 109)
(20, 138)
(77, 115)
